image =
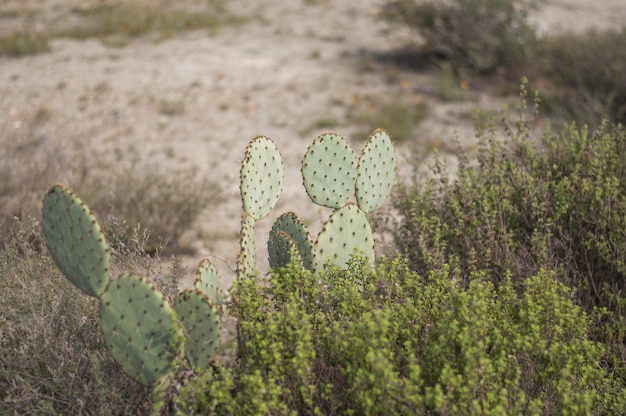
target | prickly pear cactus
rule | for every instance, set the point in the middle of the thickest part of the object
(201, 322)
(282, 250)
(375, 172)
(208, 282)
(329, 170)
(345, 231)
(246, 262)
(261, 177)
(295, 229)
(75, 240)
(140, 328)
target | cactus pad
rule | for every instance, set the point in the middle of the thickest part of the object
(261, 177)
(208, 282)
(202, 326)
(329, 170)
(246, 262)
(290, 224)
(75, 240)
(140, 328)
(282, 249)
(346, 230)
(375, 172)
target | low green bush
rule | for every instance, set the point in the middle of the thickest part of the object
(391, 341)
(524, 205)
(559, 204)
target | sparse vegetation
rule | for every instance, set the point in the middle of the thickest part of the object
(132, 19)
(115, 22)
(582, 73)
(480, 35)
(24, 43)
(588, 72)
(399, 116)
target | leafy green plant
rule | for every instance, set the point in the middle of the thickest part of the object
(399, 116)
(390, 341)
(525, 205)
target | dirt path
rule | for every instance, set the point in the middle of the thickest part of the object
(196, 100)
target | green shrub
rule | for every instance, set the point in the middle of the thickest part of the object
(394, 342)
(524, 205)
(557, 204)
(480, 35)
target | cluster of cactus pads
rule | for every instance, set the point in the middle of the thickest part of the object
(146, 334)
(331, 173)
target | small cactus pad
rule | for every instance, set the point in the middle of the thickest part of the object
(75, 240)
(246, 262)
(208, 282)
(346, 230)
(329, 170)
(297, 231)
(375, 172)
(139, 327)
(261, 177)
(202, 326)
(281, 249)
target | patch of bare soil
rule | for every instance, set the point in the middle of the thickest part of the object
(197, 99)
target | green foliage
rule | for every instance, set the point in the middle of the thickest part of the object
(390, 341)
(480, 35)
(557, 204)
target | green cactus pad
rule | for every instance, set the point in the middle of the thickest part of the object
(246, 262)
(375, 172)
(282, 249)
(140, 328)
(297, 231)
(329, 170)
(75, 240)
(202, 326)
(208, 282)
(346, 230)
(261, 177)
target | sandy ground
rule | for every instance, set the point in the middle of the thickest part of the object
(290, 65)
